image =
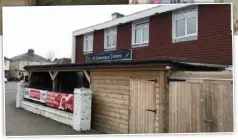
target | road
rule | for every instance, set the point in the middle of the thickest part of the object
(20, 122)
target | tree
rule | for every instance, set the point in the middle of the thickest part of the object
(50, 55)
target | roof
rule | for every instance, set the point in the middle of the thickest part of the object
(63, 61)
(5, 58)
(132, 17)
(105, 64)
(28, 57)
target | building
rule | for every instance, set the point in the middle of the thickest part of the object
(191, 33)
(156, 35)
(6, 66)
(30, 58)
(62, 61)
(133, 63)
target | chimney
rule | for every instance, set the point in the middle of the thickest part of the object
(31, 52)
(117, 15)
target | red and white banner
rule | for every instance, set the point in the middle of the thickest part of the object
(60, 101)
(35, 94)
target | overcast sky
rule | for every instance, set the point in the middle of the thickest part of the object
(47, 29)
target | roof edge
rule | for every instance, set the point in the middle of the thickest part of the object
(132, 17)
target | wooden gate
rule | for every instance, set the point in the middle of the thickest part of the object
(142, 106)
(200, 106)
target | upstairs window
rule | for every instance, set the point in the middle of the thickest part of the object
(185, 25)
(88, 43)
(140, 32)
(110, 38)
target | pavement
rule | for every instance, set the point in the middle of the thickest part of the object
(20, 122)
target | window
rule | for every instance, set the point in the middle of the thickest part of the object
(88, 43)
(110, 39)
(140, 33)
(185, 25)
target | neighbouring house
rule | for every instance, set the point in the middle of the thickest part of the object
(146, 68)
(62, 61)
(30, 58)
(6, 66)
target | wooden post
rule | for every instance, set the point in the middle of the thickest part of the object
(87, 76)
(53, 75)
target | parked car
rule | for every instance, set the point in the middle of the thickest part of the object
(5, 79)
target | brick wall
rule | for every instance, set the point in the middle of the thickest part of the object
(214, 43)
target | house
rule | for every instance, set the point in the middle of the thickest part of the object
(162, 33)
(6, 66)
(129, 51)
(135, 63)
(30, 58)
(62, 61)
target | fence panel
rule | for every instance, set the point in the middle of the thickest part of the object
(200, 106)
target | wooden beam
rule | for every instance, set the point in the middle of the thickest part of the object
(55, 74)
(87, 76)
(51, 75)
(29, 75)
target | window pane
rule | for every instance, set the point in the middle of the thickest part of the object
(108, 41)
(114, 40)
(86, 44)
(138, 33)
(191, 25)
(89, 45)
(180, 27)
(145, 34)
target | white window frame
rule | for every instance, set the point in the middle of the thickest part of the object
(86, 38)
(113, 31)
(185, 12)
(133, 32)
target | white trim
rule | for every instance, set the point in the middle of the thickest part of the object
(90, 35)
(139, 15)
(133, 43)
(73, 49)
(174, 37)
(114, 30)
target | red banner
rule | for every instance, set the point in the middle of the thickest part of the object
(60, 101)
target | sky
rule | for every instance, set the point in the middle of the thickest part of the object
(49, 28)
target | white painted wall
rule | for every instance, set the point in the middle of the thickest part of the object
(6, 64)
(19, 66)
(14, 69)
(80, 119)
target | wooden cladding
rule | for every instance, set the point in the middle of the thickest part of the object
(142, 101)
(112, 98)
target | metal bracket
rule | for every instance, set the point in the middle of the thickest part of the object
(209, 122)
(151, 110)
(174, 80)
(154, 80)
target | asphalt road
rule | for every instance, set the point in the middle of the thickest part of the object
(20, 122)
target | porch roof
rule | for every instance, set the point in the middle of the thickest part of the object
(172, 62)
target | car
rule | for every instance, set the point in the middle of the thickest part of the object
(5, 79)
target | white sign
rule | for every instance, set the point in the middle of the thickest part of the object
(35, 94)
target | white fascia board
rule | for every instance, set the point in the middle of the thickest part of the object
(142, 14)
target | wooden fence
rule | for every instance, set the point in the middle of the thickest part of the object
(201, 105)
